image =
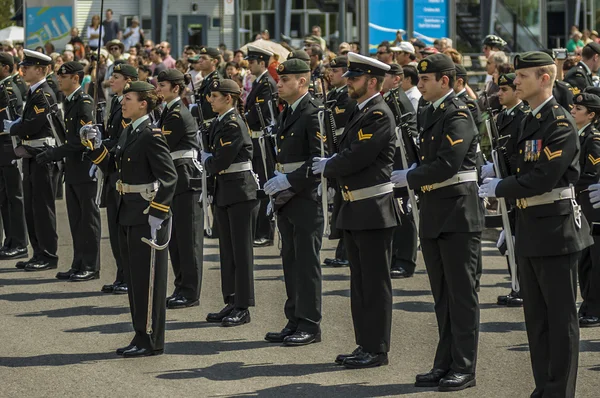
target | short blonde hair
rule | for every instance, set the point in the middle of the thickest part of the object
(550, 70)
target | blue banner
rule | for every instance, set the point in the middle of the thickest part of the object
(48, 24)
(386, 17)
(430, 19)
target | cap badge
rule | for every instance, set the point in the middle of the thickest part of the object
(127, 86)
(424, 66)
(503, 79)
(216, 84)
(63, 70)
(118, 67)
(580, 98)
(203, 50)
(280, 68)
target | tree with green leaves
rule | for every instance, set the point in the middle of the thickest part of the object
(6, 13)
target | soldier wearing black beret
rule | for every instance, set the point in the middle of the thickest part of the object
(80, 187)
(186, 246)
(228, 159)
(451, 222)
(586, 113)
(368, 213)
(551, 230)
(580, 76)
(208, 61)
(12, 208)
(299, 214)
(146, 185)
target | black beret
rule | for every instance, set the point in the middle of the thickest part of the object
(588, 100)
(225, 86)
(436, 63)
(594, 46)
(395, 70)
(299, 54)
(7, 59)
(461, 71)
(138, 87)
(592, 90)
(532, 59)
(292, 67)
(493, 40)
(126, 70)
(339, 62)
(507, 79)
(16, 59)
(418, 43)
(70, 68)
(211, 51)
(170, 75)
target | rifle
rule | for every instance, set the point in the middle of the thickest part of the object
(502, 169)
(100, 177)
(266, 144)
(11, 113)
(327, 127)
(403, 136)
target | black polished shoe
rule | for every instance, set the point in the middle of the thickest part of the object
(182, 302)
(455, 381)
(277, 337)
(82, 276)
(503, 300)
(109, 288)
(263, 242)
(23, 264)
(338, 263)
(431, 378)
(301, 338)
(17, 252)
(42, 264)
(218, 316)
(328, 261)
(237, 317)
(64, 276)
(121, 288)
(589, 321)
(137, 352)
(366, 360)
(172, 297)
(121, 350)
(342, 357)
(400, 273)
(514, 302)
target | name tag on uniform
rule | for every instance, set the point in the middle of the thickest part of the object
(533, 149)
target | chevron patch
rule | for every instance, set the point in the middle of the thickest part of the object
(165, 132)
(594, 160)
(224, 143)
(2, 110)
(124, 124)
(321, 137)
(84, 123)
(338, 110)
(552, 155)
(452, 143)
(363, 136)
(38, 110)
(259, 100)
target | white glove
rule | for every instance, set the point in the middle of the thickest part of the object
(9, 123)
(155, 224)
(487, 170)
(277, 184)
(270, 208)
(318, 165)
(204, 156)
(399, 176)
(90, 133)
(595, 195)
(330, 191)
(488, 188)
(502, 238)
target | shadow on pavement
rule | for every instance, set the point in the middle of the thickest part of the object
(395, 292)
(211, 347)
(48, 296)
(14, 282)
(125, 327)
(589, 346)
(267, 267)
(335, 391)
(413, 306)
(501, 327)
(78, 311)
(56, 359)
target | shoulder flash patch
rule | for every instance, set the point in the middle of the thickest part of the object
(378, 113)
(462, 107)
(462, 114)
(564, 124)
(156, 130)
(560, 117)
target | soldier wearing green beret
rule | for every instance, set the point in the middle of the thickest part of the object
(123, 74)
(299, 214)
(187, 244)
(580, 76)
(586, 114)
(551, 230)
(146, 185)
(451, 222)
(229, 160)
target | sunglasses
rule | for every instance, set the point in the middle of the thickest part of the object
(114, 48)
(383, 52)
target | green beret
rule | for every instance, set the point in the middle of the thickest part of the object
(70, 68)
(594, 46)
(126, 70)
(210, 51)
(436, 63)
(592, 90)
(461, 71)
(138, 87)
(532, 59)
(225, 86)
(395, 70)
(292, 67)
(588, 100)
(507, 79)
(339, 62)
(7, 59)
(170, 75)
(299, 54)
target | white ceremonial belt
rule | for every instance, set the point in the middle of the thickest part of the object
(4, 133)
(547, 198)
(40, 142)
(149, 188)
(458, 178)
(256, 133)
(368, 192)
(288, 167)
(339, 132)
(238, 167)
(184, 154)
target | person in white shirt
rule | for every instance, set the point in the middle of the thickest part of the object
(132, 34)
(93, 33)
(409, 85)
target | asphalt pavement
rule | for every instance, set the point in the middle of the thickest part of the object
(58, 338)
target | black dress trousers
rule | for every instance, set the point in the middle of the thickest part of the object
(12, 207)
(84, 221)
(113, 228)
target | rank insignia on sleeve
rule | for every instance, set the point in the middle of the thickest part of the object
(165, 132)
(338, 110)
(452, 143)
(84, 123)
(558, 117)
(363, 136)
(378, 113)
(38, 110)
(462, 114)
(124, 124)
(563, 124)
(224, 143)
(552, 155)
(157, 135)
(87, 101)
(259, 100)
(321, 137)
(594, 160)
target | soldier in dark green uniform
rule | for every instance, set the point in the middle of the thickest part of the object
(84, 214)
(451, 222)
(147, 182)
(551, 231)
(208, 60)
(18, 80)
(38, 189)
(122, 75)
(299, 213)
(580, 76)
(11, 185)
(236, 206)
(369, 214)
(460, 91)
(187, 243)
(586, 113)
(263, 90)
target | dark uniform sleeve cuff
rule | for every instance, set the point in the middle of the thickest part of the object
(98, 155)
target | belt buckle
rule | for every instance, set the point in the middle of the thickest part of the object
(119, 187)
(347, 195)
(522, 203)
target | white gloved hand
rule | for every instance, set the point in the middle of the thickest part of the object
(330, 191)
(204, 156)
(90, 134)
(9, 123)
(487, 170)
(269, 208)
(399, 176)
(318, 165)
(488, 188)
(155, 224)
(594, 195)
(277, 184)
(501, 239)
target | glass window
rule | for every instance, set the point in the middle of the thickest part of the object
(296, 26)
(251, 5)
(297, 4)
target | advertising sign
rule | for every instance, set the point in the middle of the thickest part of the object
(48, 21)
(386, 17)
(430, 19)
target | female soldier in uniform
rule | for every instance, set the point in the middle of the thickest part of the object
(180, 130)
(236, 206)
(122, 75)
(147, 182)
